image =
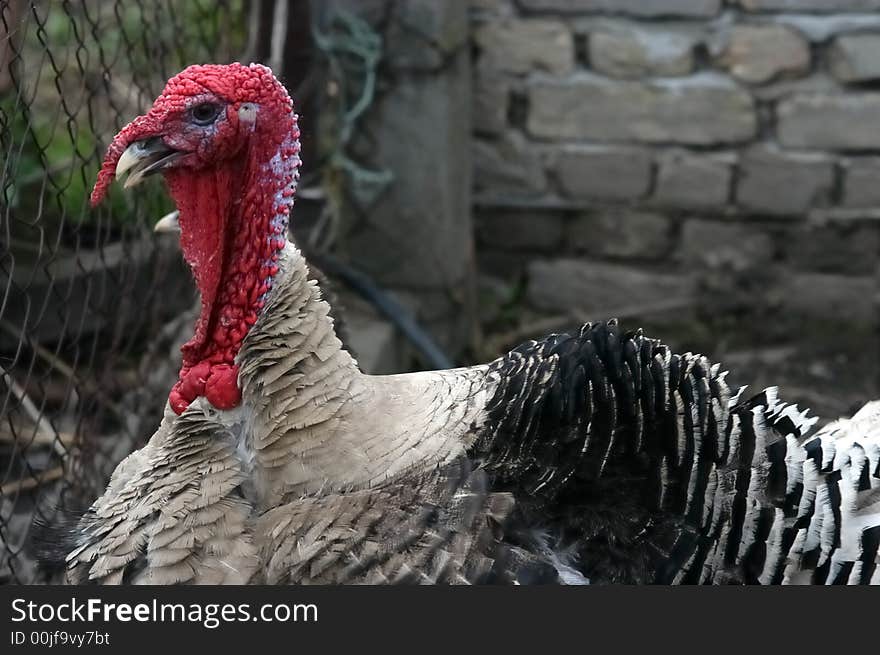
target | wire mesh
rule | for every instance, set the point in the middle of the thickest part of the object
(81, 289)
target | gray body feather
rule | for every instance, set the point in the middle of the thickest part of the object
(596, 457)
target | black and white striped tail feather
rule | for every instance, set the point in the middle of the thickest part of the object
(567, 406)
(840, 510)
(735, 467)
(736, 485)
(812, 508)
(839, 514)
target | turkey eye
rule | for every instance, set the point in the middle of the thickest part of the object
(205, 113)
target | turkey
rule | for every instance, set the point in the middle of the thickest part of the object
(599, 456)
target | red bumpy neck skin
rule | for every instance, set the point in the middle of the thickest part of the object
(233, 182)
(233, 222)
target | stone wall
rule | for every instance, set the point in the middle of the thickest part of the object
(718, 155)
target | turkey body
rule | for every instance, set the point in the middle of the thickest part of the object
(598, 457)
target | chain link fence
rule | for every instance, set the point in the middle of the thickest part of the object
(94, 305)
(84, 293)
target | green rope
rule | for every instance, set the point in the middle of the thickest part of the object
(353, 50)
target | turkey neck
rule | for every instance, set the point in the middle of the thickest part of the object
(316, 423)
(233, 221)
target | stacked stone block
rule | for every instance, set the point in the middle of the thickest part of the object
(672, 141)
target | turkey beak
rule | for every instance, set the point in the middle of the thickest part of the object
(143, 158)
(168, 223)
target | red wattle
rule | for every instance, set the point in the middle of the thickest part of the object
(177, 401)
(192, 380)
(221, 389)
(230, 237)
(234, 189)
(218, 383)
